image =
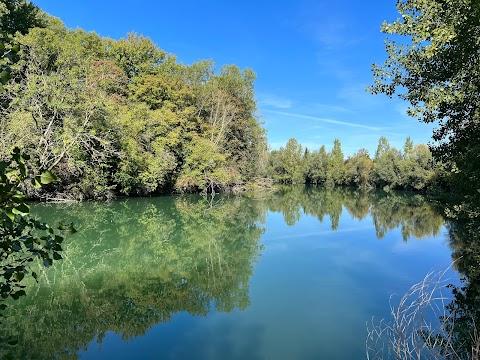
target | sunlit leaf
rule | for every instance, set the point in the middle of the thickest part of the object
(47, 177)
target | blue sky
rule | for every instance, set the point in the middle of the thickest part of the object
(312, 59)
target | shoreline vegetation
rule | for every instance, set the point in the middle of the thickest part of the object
(124, 118)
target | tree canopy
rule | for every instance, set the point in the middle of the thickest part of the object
(414, 169)
(123, 116)
(433, 58)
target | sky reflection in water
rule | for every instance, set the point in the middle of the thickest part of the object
(261, 277)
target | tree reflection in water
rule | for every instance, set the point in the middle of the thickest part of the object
(134, 263)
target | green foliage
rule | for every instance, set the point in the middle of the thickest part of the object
(23, 238)
(18, 16)
(432, 63)
(415, 169)
(335, 166)
(387, 165)
(287, 163)
(205, 168)
(359, 170)
(15, 16)
(316, 166)
(136, 55)
(122, 116)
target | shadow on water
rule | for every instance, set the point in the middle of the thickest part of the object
(135, 263)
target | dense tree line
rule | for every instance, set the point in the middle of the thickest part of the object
(124, 116)
(390, 168)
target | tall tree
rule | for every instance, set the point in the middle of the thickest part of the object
(359, 169)
(387, 165)
(336, 168)
(436, 69)
(293, 162)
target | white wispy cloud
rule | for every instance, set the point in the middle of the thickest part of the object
(329, 108)
(324, 120)
(274, 101)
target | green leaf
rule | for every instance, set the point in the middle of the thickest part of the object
(47, 177)
(70, 230)
(16, 248)
(22, 209)
(10, 214)
(36, 182)
(5, 76)
(18, 198)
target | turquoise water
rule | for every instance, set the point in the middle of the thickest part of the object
(291, 275)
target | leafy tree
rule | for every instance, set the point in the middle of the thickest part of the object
(387, 165)
(146, 161)
(436, 70)
(16, 16)
(275, 167)
(359, 170)
(59, 111)
(136, 55)
(286, 165)
(163, 90)
(316, 166)
(22, 238)
(205, 169)
(122, 116)
(293, 162)
(335, 165)
(424, 167)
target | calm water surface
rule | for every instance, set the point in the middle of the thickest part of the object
(293, 275)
